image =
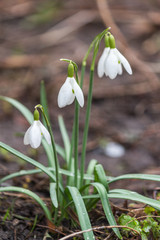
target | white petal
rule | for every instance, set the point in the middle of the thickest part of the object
(124, 61)
(45, 132)
(35, 135)
(100, 67)
(78, 92)
(72, 97)
(65, 94)
(26, 139)
(120, 71)
(111, 65)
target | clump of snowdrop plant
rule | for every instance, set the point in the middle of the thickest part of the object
(111, 60)
(74, 194)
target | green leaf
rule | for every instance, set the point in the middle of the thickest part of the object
(90, 171)
(81, 212)
(100, 176)
(106, 206)
(130, 195)
(136, 176)
(25, 111)
(53, 194)
(149, 210)
(30, 160)
(144, 236)
(129, 222)
(65, 137)
(32, 195)
(34, 171)
(147, 225)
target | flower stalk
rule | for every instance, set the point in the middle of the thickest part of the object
(53, 147)
(94, 43)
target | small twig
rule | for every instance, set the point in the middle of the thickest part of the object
(97, 228)
(15, 234)
(147, 217)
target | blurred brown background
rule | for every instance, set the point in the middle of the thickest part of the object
(35, 34)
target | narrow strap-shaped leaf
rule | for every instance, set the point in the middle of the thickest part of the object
(53, 194)
(65, 137)
(25, 111)
(34, 171)
(30, 160)
(32, 195)
(150, 177)
(90, 169)
(130, 195)
(100, 176)
(106, 206)
(81, 212)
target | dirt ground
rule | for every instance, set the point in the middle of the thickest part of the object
(35, 34)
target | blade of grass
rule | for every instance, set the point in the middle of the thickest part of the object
(90, 169)
(134, 196)
(25, 111)
(30, 160)
(100, 176)
(34, 171)
(53, 194)
(65, 137)
(136, 176)
(32, 195)
(81, 212)
(106, 206)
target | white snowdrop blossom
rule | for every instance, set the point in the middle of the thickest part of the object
(101, 67)
(113, 64)
(69, 90)
(34, 134)
(111, 60)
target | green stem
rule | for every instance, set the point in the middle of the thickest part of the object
(76, 138)
(85, 134)
(54, 150)
(94, 43)
(70, 178)
(82, 74)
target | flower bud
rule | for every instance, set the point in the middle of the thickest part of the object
(112, 41)
(36, 115)
(70, 70)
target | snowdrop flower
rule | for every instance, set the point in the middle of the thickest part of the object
(69, 90)
(101, 66)
(34, 134)
(112, 63)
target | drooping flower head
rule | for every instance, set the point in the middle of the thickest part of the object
(111, 60)
(33, 135)
(70, 90)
